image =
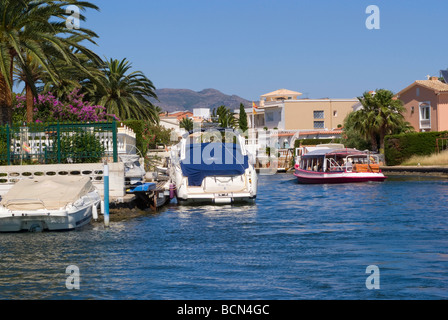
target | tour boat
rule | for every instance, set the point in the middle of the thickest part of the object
(213, 166)
(54, 203)
(338, 166)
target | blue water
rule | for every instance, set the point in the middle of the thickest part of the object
(296, 242)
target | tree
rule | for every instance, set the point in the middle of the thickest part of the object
(353, 137)
(381, 114)
(242, 121)
(124, 93)
(224, 117)
(31, 32)
(186, 123)
(71, 77)
(50, 109)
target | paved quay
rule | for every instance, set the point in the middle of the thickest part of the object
(432, 170)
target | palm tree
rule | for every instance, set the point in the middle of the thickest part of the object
(224, 117)
(70, 77)
(186, 123)
(31, 33)
(381, 114)
(28, 73)
(355, 135)
(362, 123)
(123, 93)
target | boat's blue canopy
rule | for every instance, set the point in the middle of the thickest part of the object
(142, 187)
(212, 159)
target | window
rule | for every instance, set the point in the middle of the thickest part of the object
(319, 124)
(425, 112)
(425, 115)
(335, 113)
(319, 114)
(417, 92)
(269, 116)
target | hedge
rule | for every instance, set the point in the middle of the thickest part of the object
(137, 126)
(400, 147)
(313, 142)
(148, 135)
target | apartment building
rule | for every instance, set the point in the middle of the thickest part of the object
(285, 111)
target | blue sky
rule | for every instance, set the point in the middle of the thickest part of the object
(321, 48)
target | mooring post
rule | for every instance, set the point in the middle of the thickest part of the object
(106, 194)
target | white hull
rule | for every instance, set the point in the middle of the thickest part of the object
(304, 176)
(69, 218)
(217, 189)
(225, 187)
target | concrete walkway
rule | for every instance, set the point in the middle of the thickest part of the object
(439, 170)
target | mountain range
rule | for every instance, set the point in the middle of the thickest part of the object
(184, 99)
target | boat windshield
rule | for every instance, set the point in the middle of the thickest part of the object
(214, 136)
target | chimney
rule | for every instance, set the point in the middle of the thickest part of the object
(434, 78)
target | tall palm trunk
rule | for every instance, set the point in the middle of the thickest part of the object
(5, 102)
(382, 136)
(29, 103)
(6, 93)
(374, 141)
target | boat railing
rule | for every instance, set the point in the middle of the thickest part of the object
(334, 165)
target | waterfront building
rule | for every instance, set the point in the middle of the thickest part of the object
(201, 113)
(426, 103)
(283, 110)
(173, 119)
(297, 118)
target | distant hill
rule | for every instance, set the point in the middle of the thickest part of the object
(185, 99)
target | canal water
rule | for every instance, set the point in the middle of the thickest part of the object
(297, 242)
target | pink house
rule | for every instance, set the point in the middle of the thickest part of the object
(426, 103)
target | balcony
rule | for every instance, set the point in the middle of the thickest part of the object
(425, 124)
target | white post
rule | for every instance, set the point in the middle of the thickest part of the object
(253, 118)
(106, 194)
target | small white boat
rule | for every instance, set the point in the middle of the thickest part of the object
(206, 169)
(55, 203)
(133, 171)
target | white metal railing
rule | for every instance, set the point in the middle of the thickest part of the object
(425, 124)
(37, 142)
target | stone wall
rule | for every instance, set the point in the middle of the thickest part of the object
(11, 174)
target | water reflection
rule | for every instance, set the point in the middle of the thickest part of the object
(295, 242)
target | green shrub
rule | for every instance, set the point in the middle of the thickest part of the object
(79, 147)
(137, 126)
(3, 148)
(148, 135)
(399, 148)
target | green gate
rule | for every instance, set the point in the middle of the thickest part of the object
(58, 143)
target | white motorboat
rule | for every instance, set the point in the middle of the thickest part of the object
(53, 203)
(134, 173)
(213, 166)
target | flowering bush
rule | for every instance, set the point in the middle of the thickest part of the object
(47, 108)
